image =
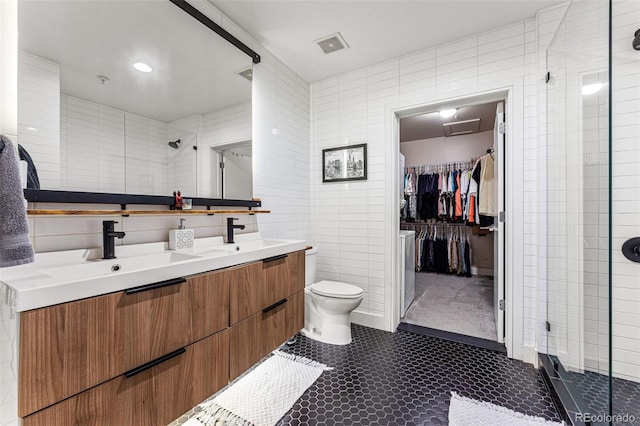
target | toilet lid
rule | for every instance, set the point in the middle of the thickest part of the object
(336, 289)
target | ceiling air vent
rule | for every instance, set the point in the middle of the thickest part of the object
(332, 43)
(463, 127)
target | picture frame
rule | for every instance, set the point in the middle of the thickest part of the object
(345, 163)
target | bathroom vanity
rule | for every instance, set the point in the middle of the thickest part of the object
(147, 353)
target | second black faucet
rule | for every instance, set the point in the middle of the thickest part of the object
(231, 227)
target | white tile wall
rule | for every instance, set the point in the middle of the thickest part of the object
(281, 149)
(39, 117)
(230, 125)
(350, 108)
(625, 193)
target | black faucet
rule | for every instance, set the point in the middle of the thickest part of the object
(109, 239)
(231, 227)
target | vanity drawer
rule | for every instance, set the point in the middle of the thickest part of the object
(261, 284)
(155, 396)
(256, 336)
(71, 347)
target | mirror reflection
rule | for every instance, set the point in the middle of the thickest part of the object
(132, 97)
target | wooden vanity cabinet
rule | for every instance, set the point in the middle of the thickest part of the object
(273, 314)
(67, 348)
(259, 285)
(148, 354)
(155, 396)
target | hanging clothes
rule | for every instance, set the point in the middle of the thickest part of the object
(488, 199)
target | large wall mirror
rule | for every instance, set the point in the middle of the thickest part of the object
(92, 122)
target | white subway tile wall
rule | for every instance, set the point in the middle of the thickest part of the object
(281, 149)
(39, 115)
(625, 192)
(349, 218)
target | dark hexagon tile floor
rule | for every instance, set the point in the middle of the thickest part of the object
(594, 393)
(403, 378)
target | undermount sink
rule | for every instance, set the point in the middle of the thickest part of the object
(97, 268)
(250, 245)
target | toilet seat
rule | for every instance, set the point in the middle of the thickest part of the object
(336, 289)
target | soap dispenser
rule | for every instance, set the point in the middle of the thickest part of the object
(181, 238)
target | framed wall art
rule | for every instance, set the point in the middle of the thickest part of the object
(344, 163)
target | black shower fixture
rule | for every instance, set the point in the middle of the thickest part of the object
(636, 40)
(175, 144)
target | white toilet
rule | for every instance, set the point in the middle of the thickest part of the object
(328, 306)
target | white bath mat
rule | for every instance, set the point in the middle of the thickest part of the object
(467, 412)
(264, 395)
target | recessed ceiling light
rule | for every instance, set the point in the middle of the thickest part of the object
(332, 43)
(590, 89)
(446, 113)
(142, 67)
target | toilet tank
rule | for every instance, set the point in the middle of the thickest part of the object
(311, 259)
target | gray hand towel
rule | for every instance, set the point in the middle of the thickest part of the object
(15, 247)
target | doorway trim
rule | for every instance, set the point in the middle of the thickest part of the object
(512, 94)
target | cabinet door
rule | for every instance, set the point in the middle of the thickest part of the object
(256, 336)
(282, 277)
(67, 348)
(155, 396)
(258, 285)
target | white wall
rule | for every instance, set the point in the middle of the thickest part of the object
(455, 149)
(9, 68)
(281, 149)
(229, 125)
(625, 189)
(39, 115)
(349, 218)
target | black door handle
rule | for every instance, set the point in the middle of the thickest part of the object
(155, 362)
(160, 284)
(275, 305)
(274, 258)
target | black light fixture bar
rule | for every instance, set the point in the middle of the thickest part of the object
(182, 4)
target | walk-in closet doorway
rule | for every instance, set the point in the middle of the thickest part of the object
(452, 171)
(484, 277)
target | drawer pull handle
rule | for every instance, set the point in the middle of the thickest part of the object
(275, 305)
(155, 362)
(154, 286)
(278, 257)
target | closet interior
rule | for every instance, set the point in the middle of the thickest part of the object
(450, 202)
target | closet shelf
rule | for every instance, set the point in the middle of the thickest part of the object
(50, 212)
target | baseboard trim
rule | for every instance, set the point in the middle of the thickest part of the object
(530, 355)
(485, 272)
(368, 320)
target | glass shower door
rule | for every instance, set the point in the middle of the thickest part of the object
(592, 174)
(578, 206)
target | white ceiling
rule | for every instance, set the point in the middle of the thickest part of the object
(376, 31)
(194, 69)
(430, 125)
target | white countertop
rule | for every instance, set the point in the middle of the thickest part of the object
(51, 280)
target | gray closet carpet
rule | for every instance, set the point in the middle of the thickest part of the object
(455, 304)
